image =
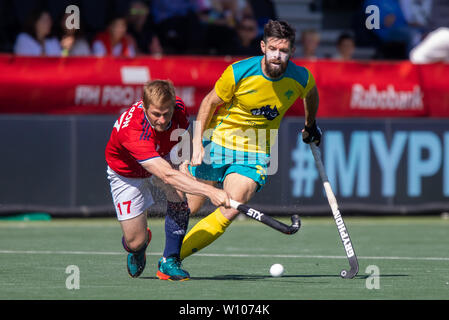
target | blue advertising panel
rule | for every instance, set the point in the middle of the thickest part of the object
(379, 164)
(56, 164)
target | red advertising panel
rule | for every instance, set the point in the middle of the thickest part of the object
(435, 84)
(371, 89)
(98, 85)
(107, 85)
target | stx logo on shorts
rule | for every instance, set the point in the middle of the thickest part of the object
(255, 214)
(267, 112)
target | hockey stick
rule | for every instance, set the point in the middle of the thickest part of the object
(344, 234)
(269, 221)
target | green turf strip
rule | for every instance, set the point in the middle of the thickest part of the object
(412, 255)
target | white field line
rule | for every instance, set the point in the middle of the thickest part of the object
(231, 255)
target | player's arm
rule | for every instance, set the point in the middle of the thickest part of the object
(311, 102)
(311, 132)
(205, 114)
(164, 171)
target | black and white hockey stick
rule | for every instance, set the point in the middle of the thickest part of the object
(269, 221)
(344, 234)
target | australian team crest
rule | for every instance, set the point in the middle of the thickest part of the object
(267, 112)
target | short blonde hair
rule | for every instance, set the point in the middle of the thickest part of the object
(159, 92)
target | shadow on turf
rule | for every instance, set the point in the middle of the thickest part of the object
(240, 277)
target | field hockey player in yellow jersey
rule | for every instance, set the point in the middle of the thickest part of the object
(232, 145)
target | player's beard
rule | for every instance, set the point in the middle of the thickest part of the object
(161, 128)
(275, 71)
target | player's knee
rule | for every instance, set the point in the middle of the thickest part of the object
(194, 208)
(136, 242)
(195, 203)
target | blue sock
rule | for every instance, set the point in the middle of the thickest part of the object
(176, 222)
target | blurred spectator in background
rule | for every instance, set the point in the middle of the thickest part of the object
(417, 14)
(95, 15)
(439, 16)
(9, 27)
(22, 9)
(72, 41)
(249, 39)
(262, 10)
(178, 26)
(142, 29)
(223, 12)
(310, 40)
(434, 48)
(236, 10)
(219, 19)
(345, 47)
(36, 40)
(395, 34)
(115, 41)
(218, 12)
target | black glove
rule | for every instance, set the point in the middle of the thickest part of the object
(312, 134)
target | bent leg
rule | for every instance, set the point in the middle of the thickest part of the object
(135, 233)
(239, 188)
(176, 222)
(132, 197)
(135, 240)
(204, 233)
(209, 229)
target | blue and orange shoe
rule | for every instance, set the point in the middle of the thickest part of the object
(171, 269)
(136, 260)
